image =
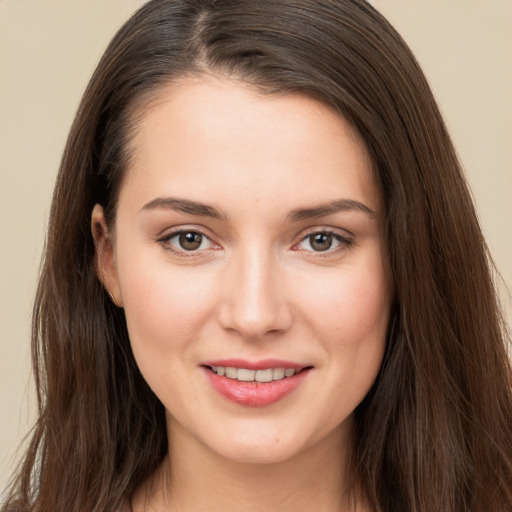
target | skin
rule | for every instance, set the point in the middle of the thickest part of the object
(257, 287)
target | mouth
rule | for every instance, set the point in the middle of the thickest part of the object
(248, 375)
(255, 384)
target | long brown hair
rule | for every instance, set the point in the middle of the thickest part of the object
(435, 431)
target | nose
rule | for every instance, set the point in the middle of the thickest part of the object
(254, 297)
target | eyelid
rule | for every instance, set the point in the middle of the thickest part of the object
(166, 236)
(345, 241)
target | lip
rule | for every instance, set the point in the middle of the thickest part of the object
(262, 364)
(255, 394)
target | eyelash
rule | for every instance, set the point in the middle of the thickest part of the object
(343, 242)
(166, 242)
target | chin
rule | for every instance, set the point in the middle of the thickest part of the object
(258, 448)
(258, 454)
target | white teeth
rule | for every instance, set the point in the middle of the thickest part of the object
(246, 375)
(263, 375)
(231, 373)
(278, 373)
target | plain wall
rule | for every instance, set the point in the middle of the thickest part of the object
(48, 50)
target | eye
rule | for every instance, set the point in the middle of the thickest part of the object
(186, 241)
(324, 241)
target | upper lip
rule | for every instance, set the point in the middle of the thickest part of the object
(262, 364)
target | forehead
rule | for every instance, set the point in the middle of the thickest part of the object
(208, 138)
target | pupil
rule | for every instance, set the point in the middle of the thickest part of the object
(321, 242)
(190, 241)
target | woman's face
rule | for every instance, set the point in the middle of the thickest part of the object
(246, 249)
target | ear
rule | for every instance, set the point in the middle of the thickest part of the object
(104, 255)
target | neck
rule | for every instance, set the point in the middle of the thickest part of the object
(195, 478)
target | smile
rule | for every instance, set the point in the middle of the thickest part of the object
(247, 375)
(255, 384)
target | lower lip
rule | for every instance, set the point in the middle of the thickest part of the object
(255, 394)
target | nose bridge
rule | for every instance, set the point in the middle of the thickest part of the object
(256, 303)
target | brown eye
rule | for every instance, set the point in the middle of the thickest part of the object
(321, 241)
(190, 241)
(187, 242)
(324, 241)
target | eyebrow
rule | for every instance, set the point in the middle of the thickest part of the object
(299, 214)
(184, 206)
(330, 208)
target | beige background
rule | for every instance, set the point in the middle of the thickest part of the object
(48, 49)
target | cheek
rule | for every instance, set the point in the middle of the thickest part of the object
(352, 308)
(165, 306)
(350, 314)
(347, 312)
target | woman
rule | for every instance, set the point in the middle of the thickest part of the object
(264, 282)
